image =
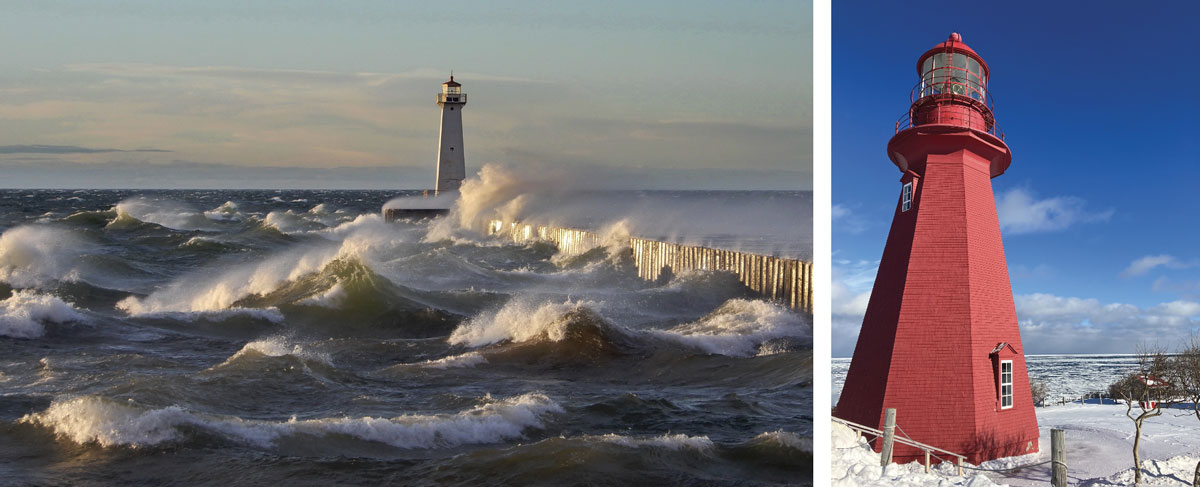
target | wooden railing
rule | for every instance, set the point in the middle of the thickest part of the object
(861, 430)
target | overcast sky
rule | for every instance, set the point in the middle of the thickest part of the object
(719, 92)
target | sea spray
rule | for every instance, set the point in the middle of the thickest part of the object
(34, 255)
(168, 213)
(279, 347)
(519, 320)
(346, 373)
(90, 419)
(219, 289)
(22, 314)
(739, 327)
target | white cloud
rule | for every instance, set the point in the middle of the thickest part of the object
(839, 211)
(852, 282)
(846, 220)
(1020, 212)
(1048, 323)
(1149, 262)
(1057, 324)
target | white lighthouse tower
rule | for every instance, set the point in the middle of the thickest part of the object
(451, 160)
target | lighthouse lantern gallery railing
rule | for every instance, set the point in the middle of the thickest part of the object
(951, 95)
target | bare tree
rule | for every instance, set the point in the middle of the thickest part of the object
(1149, 391)
(1040, 392)
(1185, 374)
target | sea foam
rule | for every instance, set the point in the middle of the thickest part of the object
(518, 320)
(171, 214)
(32, 255)
(91, 419)
(218, 289)
(666, 441)
(738, 328)
(22, 314)
(279, 347)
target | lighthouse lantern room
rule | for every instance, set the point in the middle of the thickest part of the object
(939, 340)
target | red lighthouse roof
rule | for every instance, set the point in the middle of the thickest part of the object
(451, 82)
(954, 43)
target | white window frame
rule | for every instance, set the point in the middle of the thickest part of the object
(906, 196)
(1006, 384)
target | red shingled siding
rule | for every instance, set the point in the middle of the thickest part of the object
(941, 302)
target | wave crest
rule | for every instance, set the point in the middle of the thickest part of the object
(166, 213)
(520, 321)
(91, 419)
(32, 255)
(740, 327)
(22, 314)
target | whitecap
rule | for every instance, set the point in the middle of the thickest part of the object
(22, 314)
(32, 255)
(90, 419)
(667, 441)
(738, 328)
(518, 320)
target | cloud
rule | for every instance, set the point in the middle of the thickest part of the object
(64, 149)
(851, 291)
(160, 71)
(323, 119)
(846, 220)
(1057, 324)
(1048, 323)
(1020, 212)
(1149, 262)
(51, 173)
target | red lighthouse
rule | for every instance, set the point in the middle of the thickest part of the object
(939, 341)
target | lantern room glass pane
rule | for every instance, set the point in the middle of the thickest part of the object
(960, 60)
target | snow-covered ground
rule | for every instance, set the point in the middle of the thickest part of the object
(1099, 440)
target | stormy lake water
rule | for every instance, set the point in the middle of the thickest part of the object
(295, 338)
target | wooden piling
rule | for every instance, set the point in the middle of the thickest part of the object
(786, 281)
(889, 434)
(1058, 457)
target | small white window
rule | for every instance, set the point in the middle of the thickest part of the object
(906, 197)
(1006, 384)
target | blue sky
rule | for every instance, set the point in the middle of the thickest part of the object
(1100, 108)
(714, 95)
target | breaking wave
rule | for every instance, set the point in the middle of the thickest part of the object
(33, 255)
(91, 419)
(223, 288)
(166, 213)
(278, 347)
(741, 328)
(22, 314)
(666, 441)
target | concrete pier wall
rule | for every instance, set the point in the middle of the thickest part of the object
(787, 281)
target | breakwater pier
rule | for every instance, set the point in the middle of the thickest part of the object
(784, 280)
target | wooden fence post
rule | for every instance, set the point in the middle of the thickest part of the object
(1058, 455)
(889, 432)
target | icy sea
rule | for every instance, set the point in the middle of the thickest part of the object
(294, 338)
(1067, 377)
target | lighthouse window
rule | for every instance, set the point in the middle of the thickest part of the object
(1006, 384)
(960, 61)
(906, 197)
